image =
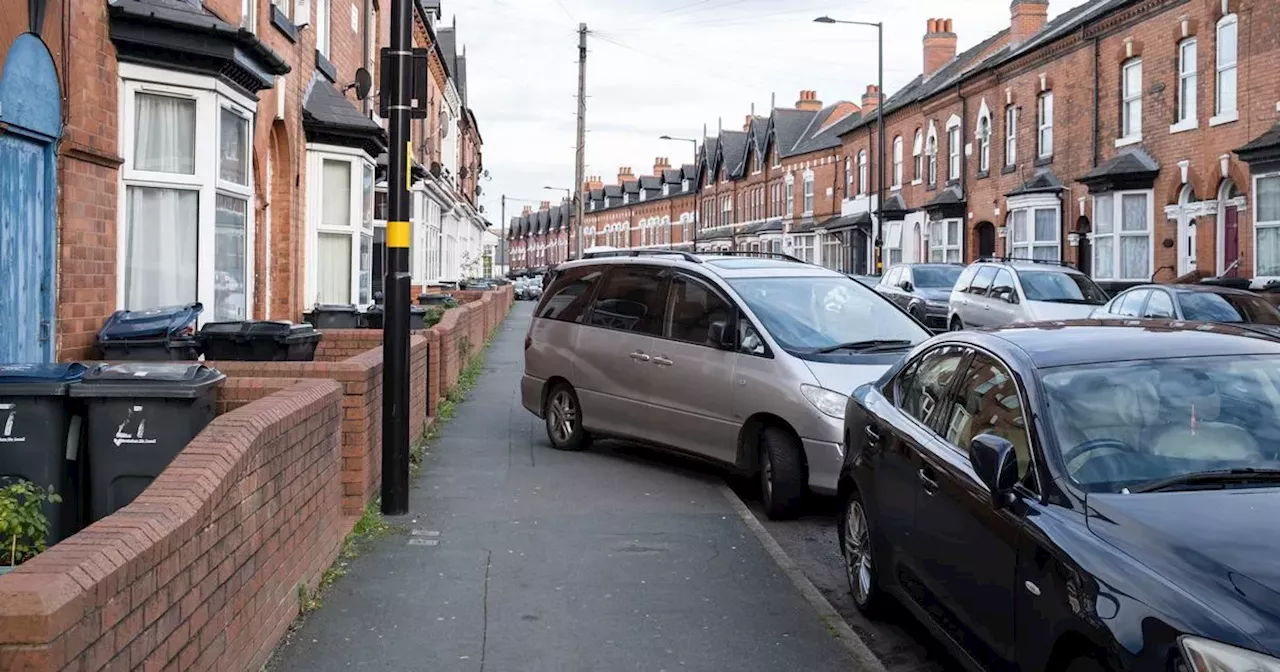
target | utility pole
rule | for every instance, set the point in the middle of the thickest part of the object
(879, 240)
(506, 250)
(395, 329)
(580, 163)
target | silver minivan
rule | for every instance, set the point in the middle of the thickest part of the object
(745, 361)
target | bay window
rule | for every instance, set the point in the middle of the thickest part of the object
(340, 212)
(1034, 230)
(1121, 238)
(1266, 189)
(831, 257)
(1225, 107)
(893, 244)
(185, 225)
(803, 247)
(944, 241)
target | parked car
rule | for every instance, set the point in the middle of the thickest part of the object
(868, 280)
(923, 290)
(994, 293)
(528, 289)
(1204, 303)
(742, 361)
(1082, 496)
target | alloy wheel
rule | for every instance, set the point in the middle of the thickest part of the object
(857, 553)
(766, 475)
(563, 417)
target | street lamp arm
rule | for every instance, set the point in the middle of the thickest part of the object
(827, 19)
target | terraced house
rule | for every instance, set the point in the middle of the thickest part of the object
(160, 152)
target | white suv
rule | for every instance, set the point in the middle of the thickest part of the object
(997, 292)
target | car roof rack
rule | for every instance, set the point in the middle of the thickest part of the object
(1048, 262)
(759, 255)
(688, 256)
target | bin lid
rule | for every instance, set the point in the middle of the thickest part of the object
(164, 380)
(38, 379)
(334, 308)
(152, 323)
(256, 329)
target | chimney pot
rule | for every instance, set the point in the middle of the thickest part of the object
(546, 205)
(939, 45)
(809, 101)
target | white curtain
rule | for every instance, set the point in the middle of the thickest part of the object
(1046, 236)
(230, 279)
(165, 134)
(160, 247)
(1134, 248)
(334, 266)
(366, 269)
(1268, 225)
(335, 210)
(1104, 250)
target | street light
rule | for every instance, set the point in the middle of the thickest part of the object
(696, 205)
(879, 26)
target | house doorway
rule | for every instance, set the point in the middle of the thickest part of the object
(986, 240)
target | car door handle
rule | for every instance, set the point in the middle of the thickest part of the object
(640, 356)
(871, 433)
(927, 480)
(662, 361)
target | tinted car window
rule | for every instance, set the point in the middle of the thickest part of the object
(923, 382)
(629, 299)
(982, 280)
(567, 297)
(935, 277)
(1159, 305)
(1002, 286)
(1210, 307)
(1131, 304)
(987, 402)
(1060, 287)
(692, 309)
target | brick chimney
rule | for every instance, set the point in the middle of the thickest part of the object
(939, 45)
(624, 174)
(871, 99)
(528, 210)
(596, 182)
(546, 205)
(746, 123)
(809, 101)
(1027, 18)
(660, 164)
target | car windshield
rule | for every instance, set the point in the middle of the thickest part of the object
(1060, 287)
(1212, 307)
(1125, 424)
(808, 314)
(936, 277)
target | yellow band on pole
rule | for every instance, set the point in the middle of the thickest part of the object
(408, 168)
(398, 234)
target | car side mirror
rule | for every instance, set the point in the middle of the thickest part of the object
(996, 463)
(720, 335)
(906, 286)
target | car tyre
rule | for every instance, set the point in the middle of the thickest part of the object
(917, 312)
(782, 474)
(563, 416)
(859, 562)
(957, 324)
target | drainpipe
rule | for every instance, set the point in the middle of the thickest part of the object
(365, 38)
(964, 171)
(1096, 79)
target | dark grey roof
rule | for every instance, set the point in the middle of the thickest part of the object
(771, 225)
(1066, 22)
(948, 196)
(1044, 181)
(788, 128)
(651, 181)
(1131, 166)
(631, 186)
(815, 137)
(804, 225)
(460, 78)
(447, 39)
(690, 171)
(612, 191)
(671, 176)
(597, 194)
(721, 234)
(511, 227)
(327, 116)
(555, 218)
(733, 144)
(1265, 147)
(862, 219)
(894, 205)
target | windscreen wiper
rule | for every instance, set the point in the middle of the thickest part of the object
(1243, 475)
(867, 346)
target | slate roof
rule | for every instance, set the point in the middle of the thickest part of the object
(651, 181)
(631, 186)
(948, 196)
(1265, 147)
(815, 137)
(733, 144)
(789, 127)
(460, 78)
(835, 224)
(447, 38)
(1129, 165)
(1042, 182)
(671, 176)
(690, 171)
(612, 191)
(895, 205)
(327, 115)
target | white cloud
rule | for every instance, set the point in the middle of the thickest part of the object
(659, 67)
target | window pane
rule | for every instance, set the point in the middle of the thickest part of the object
(1268, 250)
(368, 197)
(1046, 225)
(1227, 90)
(1045, 252)
(1104, 251)
(1134, 257)
(1133, 79)
(1227, 44)
(1159, 305)
(692, 310)
(987, 402)
(1133, 212)
(366, 269)
(1269, 199)
(336, 210)
(1019, 226)
(165, 134)
(953, 232)
(160, 247)
(234, 148)
(629, 300)
(230, 282)
(334, 268)
(1103, 214)
(923, 383)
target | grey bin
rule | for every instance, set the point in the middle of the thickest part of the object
(40, 438)
(139, 417)
(334, 316)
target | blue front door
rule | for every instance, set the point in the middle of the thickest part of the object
(30, 113)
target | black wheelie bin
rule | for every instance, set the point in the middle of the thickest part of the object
(262, 341)
(158, 334)
(40, 438)
(334, 316)
(139, 417)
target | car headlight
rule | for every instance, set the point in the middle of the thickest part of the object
(830, 403)
(1204, 655)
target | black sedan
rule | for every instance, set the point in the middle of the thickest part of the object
(923, 290)
(1052, 497)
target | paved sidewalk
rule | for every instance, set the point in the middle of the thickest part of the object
(527, 559)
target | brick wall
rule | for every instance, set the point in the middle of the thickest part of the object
(200, 572)
(237, 392)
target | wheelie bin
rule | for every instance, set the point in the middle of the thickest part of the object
(158, 334)
(260, 341)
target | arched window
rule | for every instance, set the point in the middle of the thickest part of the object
(984, 144)
(931, 151)
(917, 151)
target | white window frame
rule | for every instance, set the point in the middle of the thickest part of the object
(1010, 135)
(285, 7)
(211, 97)
(983, 133)
(1117, 233)
(941, 246)
(863, 174)
(777, 158)
(1044, 125)
(317, 154)
(1226, 110)
(808, 192)
(848, 177)
(1259, 224)
(726, 210)
(791, 194)
(1027, 207)
(802, 246)
(897, 161)
(1130, 104)
(324, 28)
(249, 15)
(917, 152)
(1188, 81)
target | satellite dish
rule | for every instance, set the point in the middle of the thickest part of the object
(444, 124)
(363, 84)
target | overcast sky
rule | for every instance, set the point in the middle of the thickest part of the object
(658, 67)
